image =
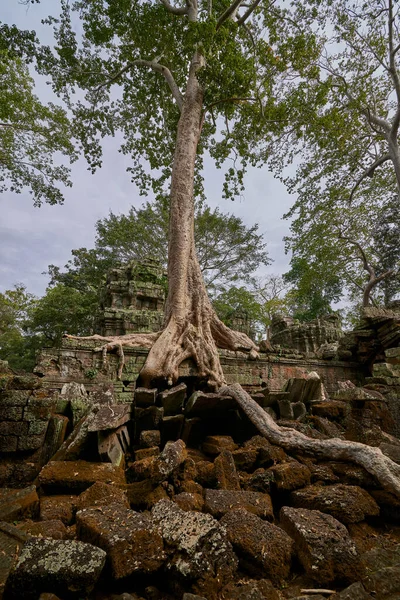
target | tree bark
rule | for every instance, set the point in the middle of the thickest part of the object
(385, 471)
(191, 327)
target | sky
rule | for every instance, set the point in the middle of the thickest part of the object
(32, 238)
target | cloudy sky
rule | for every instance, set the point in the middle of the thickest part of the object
(32, 238)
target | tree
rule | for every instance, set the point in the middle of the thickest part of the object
(62, 309)
(31, 133)
(228, 250)
(15, 347)
(183, 72)
(345, 134)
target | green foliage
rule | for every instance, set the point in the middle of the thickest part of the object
(234, 302)
(340, 120)
(241, 81)
(61, 310)
(228, 250)
(31, 133)
(313, 291)
(15, 347)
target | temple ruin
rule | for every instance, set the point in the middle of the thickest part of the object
(118, 491)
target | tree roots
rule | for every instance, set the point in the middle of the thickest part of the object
(385, 471)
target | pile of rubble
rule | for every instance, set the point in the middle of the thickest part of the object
(174, 495)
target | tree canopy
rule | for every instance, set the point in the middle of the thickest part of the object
(345, 138)
(32, 134)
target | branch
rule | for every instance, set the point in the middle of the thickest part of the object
(394, 73)
(365, 262)
(369, 173)
(248, 12)
(229, 12)
(181, 10)
(155, 66)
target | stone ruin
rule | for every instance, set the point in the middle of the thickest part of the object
(112, 491)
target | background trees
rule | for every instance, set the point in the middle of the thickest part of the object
(345, 128)
(31, 133)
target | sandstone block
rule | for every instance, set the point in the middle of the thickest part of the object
(144, 397)
(262, 589)
(58, 508)
(17, 504)
(172, 400)
(347, 503)
(323, 545)
(54, 529)
(245, 458)
(149, 439)
(382, 578)
(131, 541)
(200, 546)
(142, 495)
(219, 502)
(214, 444)
(201, 404)
(58, 566)
(146, 453)
(264, 550)
(189, 501)
(11, 543)
(76, 476)
(102, 494)
(290, 476)
(110, 417)
(225, 472)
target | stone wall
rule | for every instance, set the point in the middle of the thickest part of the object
(77, 361)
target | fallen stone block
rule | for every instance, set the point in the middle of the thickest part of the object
(219, 502)
(144, 397)
(260, 481)
(331, 409)
(11, 542)
(214, 444)
(264, 550)
(76, 396)
(347, 503)
(54, 508)
(110, 417)
(16, 504)
(355, 591)
(146, 453)
(389, 505)
(147, 418)
(54, 529)
(55, 436)
(262, 589)
(142, 495)
(189, 501)
(172, 400)
(171, 428)
(76, 476)
(109, 447)
(290, 476)
(382, 579)
(102, 494)
(201, 404)
(225, 472)
(323, 545)
(245, 458)
(59, 566)
(199, 546)
(149, 439)
(132, 542)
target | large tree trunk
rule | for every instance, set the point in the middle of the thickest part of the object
(191, 328)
